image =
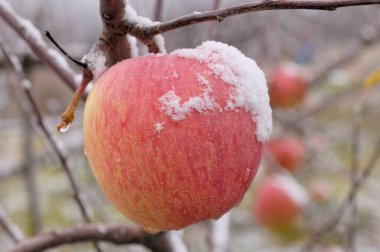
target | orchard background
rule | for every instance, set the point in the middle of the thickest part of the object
(337, 122)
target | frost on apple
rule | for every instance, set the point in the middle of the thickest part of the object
(158, 127)
(248, 80)
(293, 189)
(171, 104)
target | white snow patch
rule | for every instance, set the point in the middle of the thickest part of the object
(175, 239)
(175, 75)
(158, 127)
(248, 80)
(31, 32)
(220, 233)
(133, 44)
(171, 103)
(140, 21)
(291, 68)
(294, 189)
(26, 84)
(96, 61)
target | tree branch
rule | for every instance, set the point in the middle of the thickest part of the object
(354, 190)
(111, 41)
(26, 30)
(10, 228)
(116, 234)
(261, 5)
(25, 85)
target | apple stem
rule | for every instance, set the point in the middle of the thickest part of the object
(69, 115)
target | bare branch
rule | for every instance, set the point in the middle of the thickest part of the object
(261, 5)
(10, 228)
(111, 41)
(116, 234)
(351, 52)
(354, 190)
(15, 64)
(50, 37)
(33, 38)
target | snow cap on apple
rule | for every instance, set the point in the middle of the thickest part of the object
(279, 201)
(177, 139)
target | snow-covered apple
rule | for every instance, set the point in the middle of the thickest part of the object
(288, 87)
(278, 202)
(288, 152)
(176, 139)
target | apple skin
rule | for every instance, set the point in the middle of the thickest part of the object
(274, 207)
(183, 172)
(288, 87)
(289, 152)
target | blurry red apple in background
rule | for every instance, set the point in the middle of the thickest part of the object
(278, 202)
(287, 87)
(176, 139)
(289, 152)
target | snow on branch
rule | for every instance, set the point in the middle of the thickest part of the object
(13, 61)
(32, 36)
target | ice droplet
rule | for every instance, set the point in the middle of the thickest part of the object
(64, 128)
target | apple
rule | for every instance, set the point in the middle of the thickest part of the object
(278, 202)
(288, 87)
(288, 152)
(176, 139)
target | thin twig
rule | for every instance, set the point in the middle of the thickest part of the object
(350, 53)
(79, 63)
(354, 190)
(15, 64)
(10, 228)
(355, 166)
(116, 234)
(348, 206)
(261, 5)
(29, 33)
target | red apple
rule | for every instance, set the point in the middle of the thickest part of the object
(176, 139)
(288, 152)
(278, 202)
(288, 87)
